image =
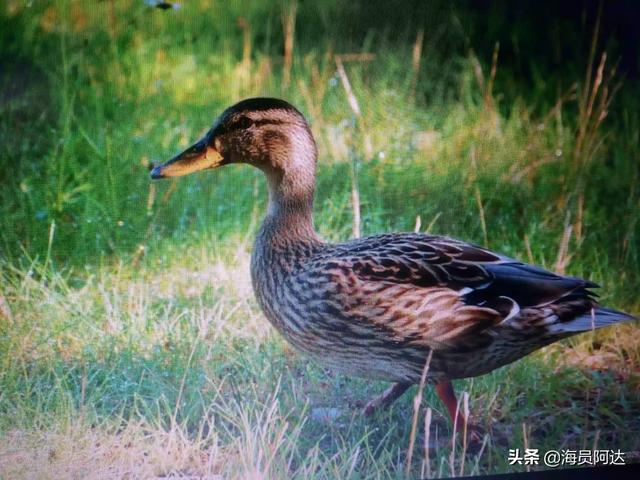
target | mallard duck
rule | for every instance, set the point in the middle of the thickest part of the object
(378, 307)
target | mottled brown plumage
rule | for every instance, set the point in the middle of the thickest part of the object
(375, 307)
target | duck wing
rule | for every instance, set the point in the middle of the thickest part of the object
(479, 275)
(446, 293)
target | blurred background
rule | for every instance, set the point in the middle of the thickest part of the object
(514, 106)
(510, 124)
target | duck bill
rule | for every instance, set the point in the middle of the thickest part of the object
(200, 156)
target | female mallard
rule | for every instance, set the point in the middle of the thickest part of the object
(376, 307)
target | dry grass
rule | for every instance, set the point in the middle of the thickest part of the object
(130, 343)
(174, 372)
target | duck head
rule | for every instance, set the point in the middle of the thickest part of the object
(267, 133)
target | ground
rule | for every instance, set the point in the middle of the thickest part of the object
(130, 341)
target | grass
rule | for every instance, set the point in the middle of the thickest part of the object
(130, 341)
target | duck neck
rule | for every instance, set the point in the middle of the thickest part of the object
(290, 212)
(291, 176)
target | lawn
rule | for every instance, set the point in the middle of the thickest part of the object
(131, 345)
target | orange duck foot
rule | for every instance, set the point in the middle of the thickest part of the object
(472, 434)
(389, 396)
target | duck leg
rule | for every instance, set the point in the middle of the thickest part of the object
(387, 397)
(445, 391)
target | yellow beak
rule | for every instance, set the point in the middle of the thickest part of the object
(200, 156)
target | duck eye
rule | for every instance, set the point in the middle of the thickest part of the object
(244, 122)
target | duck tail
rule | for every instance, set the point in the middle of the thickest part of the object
(598, 317)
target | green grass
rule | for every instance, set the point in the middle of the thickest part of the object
(130, 341)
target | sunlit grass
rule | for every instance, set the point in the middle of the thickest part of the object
(170, 367)
(130, 341)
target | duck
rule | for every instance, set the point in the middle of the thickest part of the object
(404, 308)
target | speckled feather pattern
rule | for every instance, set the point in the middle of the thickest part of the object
(375, 307)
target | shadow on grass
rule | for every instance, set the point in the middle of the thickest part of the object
(241, 393)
